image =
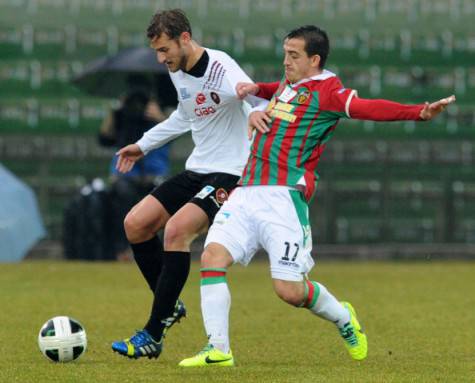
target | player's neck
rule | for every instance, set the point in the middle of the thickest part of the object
(307, 76)
(196, 51)
(314, 72)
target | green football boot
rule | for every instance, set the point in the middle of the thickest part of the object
(353, 335)
(209, 356)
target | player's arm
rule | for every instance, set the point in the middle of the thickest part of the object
(259, 118)
(173, 127)
(385, 110)
(267, 89)
(345, 102)
(261, 89)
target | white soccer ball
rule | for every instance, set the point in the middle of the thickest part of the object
(62, 339)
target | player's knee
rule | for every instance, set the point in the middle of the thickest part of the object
(215, 256)
(290, 292)
(135, 229)
(175, 234)
(132, 227)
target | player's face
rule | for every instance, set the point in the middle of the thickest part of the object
(298, 65)
(171, 52)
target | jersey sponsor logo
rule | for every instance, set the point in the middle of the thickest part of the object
(288, 108)
(205, 192)
(271, 105)
(200, 98)
(221, 195)
(215, 97)
(283, 111)
(205, 111)
(341, 90)
(303, 96)
(283, 116)
(184, 94)
(287, 95)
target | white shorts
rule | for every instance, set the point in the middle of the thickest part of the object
(274, 218)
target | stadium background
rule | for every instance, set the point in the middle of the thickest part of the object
(408, 190)
(404, 184)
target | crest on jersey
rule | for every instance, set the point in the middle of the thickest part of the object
(215, 97)
(221, 196)
(200, 98)
(303, 96)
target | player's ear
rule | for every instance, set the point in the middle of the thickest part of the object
(185, 38)
(315, 61)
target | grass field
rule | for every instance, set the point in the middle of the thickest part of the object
(419, 318)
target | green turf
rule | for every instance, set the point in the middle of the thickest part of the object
(419, 319)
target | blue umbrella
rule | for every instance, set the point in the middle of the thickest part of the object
(21, 225)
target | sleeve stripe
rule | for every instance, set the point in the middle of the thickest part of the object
(353, 93)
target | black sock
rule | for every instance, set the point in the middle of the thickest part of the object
(176, 267)
(149, 258)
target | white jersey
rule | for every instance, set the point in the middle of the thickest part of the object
(209, 107)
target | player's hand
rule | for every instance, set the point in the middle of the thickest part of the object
(260, 121)
(431, 110)
(244, 89)
(128, 155)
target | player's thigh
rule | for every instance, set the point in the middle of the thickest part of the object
(234, 229)
(286, 236)
(189, 220)
(148, 214)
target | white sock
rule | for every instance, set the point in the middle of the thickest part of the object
(322, 303)
(215, 306)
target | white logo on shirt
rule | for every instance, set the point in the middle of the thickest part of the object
(184, 94)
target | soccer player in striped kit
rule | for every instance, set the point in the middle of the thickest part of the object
(270, 208)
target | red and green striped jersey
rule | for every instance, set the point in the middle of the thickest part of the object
(303, 118)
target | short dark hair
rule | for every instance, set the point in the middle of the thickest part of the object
(316, 41)
(173, 22)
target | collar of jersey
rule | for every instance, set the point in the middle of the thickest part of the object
(322, 76)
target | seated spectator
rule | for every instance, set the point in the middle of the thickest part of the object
(137, 113)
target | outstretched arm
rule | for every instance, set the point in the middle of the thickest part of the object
(159, 135)
(174, 126)
(384, 110)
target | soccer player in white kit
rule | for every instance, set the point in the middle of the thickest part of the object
(185, 205)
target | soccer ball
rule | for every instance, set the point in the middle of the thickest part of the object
(62, 339)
